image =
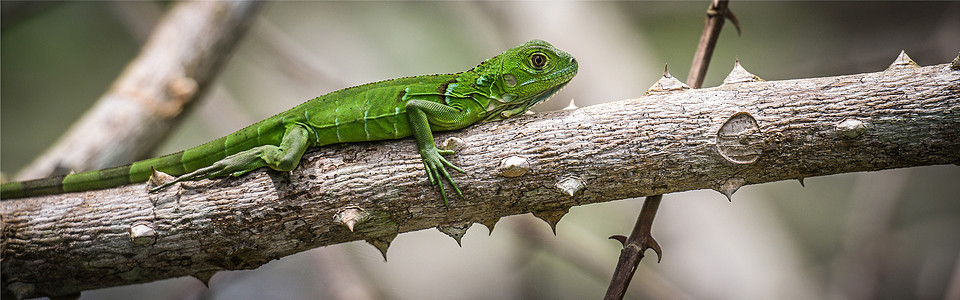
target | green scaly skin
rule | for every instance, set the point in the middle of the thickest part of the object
(504, 86)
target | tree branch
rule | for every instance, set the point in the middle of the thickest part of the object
(641, 238)
(716, 14)
(742, 132)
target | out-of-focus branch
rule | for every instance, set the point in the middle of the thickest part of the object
(633, 247)
(716, 15)
(183, 55)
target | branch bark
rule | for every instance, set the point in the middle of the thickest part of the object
(182, 57)
(718, 138)
(641, 238)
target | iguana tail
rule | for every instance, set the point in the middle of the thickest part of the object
(174, 164)
(93, 180)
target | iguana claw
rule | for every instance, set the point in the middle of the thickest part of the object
(436, 167)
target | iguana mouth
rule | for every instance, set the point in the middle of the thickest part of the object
(546, 94)
(512, 109)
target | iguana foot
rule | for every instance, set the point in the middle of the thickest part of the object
(436, 167)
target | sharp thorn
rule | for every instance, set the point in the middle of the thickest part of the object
(158, 179)
(204, 277)
(730, 186)
(350, 216)
(455, 231)
(651, 243)
(667, 83)
(620, 238)
(740, 75)
(382, 244)
(489, 223)
(733, 19)
(955, 64)
(350, 223)
(552, 217)
(903, 61)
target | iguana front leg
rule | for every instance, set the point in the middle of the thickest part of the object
(421, 113)
(285, 157)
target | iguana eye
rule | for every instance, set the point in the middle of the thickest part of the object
(538, 60)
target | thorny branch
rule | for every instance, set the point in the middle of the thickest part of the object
(641, 240)
(746, 131)
(633, 247)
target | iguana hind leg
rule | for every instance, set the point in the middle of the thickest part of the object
(285, 157)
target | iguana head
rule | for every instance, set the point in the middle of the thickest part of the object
(522, 76)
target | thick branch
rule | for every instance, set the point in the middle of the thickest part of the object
(183, 55)
(716, 138)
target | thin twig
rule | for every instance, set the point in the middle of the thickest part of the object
(716, 14)
(633, 247)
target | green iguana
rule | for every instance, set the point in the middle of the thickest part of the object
(500, 87)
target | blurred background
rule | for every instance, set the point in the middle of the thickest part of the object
(890, 235)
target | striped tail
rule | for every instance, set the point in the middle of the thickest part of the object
(94, 180)
(266, 132)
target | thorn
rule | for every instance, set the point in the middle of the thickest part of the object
(740, 75)
(513, 166)
(204, 277)
(800, 179)
(851, 128)
(731, 186)
(489, 223)
(647, 242)
(552, 217)
(570, 185)
(452, 143)
(736, 23)
(572, 105)
(903, 61)
(350, 216)
(622, 239)
(955, 64)
(666, 84)
(653, 244)
(382, 244)
(142, 233)
(455, 231)
(158, 178)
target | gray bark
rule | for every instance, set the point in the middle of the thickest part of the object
(671, 140)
